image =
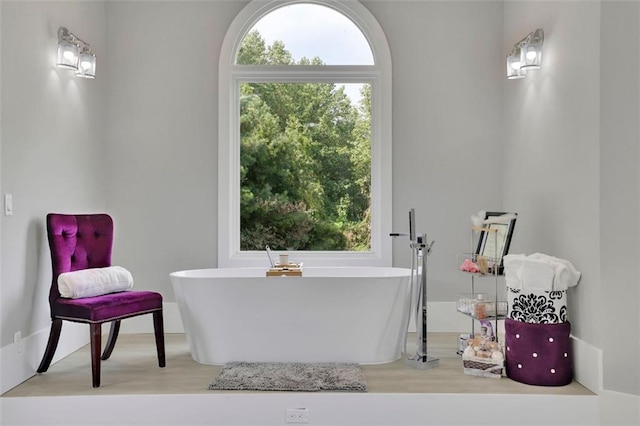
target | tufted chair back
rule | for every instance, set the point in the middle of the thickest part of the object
(78, 242)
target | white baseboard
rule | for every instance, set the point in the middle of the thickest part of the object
(587, 365)
(19, 361)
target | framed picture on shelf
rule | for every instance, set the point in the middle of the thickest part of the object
(495, 241)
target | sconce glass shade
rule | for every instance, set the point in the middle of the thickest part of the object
(86, 65)
(531, 50)
(514, 66)
(531, 56)
(67, 55)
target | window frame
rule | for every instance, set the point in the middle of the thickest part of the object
(231, 76)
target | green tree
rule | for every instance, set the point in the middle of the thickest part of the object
(305, 160)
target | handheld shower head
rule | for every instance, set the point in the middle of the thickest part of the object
(412, 224)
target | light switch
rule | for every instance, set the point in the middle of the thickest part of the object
(8, 204)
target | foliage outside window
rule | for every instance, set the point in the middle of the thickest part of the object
(305, 159)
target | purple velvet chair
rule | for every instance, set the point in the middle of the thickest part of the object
(81, 242)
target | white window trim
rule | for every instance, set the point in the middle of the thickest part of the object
(230, 76)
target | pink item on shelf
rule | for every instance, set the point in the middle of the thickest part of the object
(469, 266)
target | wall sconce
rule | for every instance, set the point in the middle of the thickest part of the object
(526, 55)
(75, 54)
(514, 65)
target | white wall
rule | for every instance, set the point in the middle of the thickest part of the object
(619, 187)
(52, 147)
(1, 310)
(162, 135)
(447, 110)
(551, 162)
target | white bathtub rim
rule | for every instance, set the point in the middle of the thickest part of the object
(311, 272)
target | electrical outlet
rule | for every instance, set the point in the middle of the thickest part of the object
(17, 339)
(8, 205)
(297, 415)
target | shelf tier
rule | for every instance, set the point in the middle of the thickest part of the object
(488, 317)
(480, 275)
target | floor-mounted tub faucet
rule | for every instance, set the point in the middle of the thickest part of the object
(420, 249)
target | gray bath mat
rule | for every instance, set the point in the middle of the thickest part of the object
(290, 376)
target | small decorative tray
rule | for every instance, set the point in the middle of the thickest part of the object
(288, 270)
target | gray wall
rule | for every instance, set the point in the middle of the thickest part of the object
(447, 110)
(162, 135)
(551, 163)
(140, 141)
(53, 142)
(619, 189)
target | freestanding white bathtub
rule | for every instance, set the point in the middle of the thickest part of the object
(343, 314)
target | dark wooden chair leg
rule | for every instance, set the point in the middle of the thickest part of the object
(95, 338)
(52, 344)
(111, 341)
(158, 326)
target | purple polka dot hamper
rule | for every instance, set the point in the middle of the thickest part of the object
(537, 329)
(538, 354)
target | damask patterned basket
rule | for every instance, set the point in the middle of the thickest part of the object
(537, 306)
(483, 367)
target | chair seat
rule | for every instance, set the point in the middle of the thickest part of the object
(107, 307)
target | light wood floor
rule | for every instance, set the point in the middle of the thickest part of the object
(133, 369)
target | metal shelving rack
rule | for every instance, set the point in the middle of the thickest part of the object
(492, 270)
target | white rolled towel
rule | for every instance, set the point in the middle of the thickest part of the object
(512, 264)
(94, 282)
(536, 275)
(565, 274)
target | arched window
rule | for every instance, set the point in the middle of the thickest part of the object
(305, 135)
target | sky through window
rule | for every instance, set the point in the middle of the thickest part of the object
(310, 30)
